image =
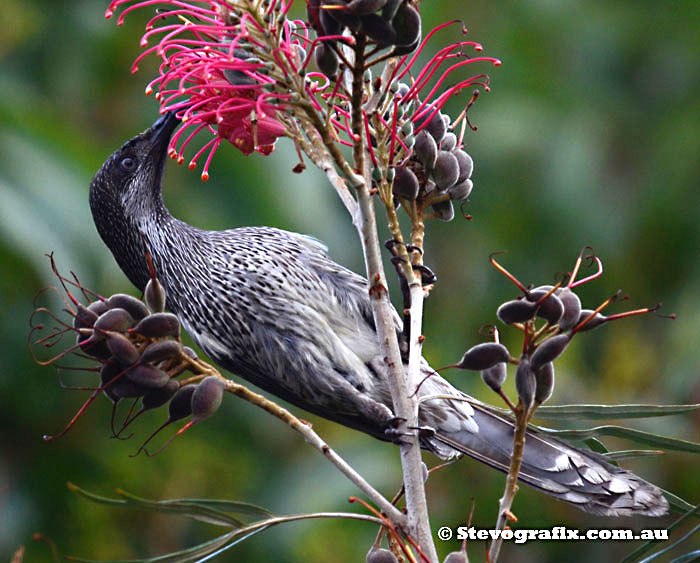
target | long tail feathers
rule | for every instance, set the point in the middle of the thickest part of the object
(580, 477)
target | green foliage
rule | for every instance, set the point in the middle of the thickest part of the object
(589, 136)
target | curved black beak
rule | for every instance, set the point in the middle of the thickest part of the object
(163, 128)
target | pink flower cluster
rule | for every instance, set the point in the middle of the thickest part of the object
(208, 77)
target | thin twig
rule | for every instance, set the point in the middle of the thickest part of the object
(317, 442)
(516, 458)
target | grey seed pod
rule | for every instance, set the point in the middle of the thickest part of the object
(93, 346)
(466, 164)
(159, 325)
(449, 142)
(446, 118)
(149, 376)
(378, 29)
(461, 190)
(84, 317)
(572, 308)
(117, 320)
(158, 397)
(190, 352)
(238, 78)
(154, 294)
(429, 187)
(407, 24)
(549, 350)
(525, 382)
(425, 150)
(207, 397)
(120, 388)
(551, 309)
(380, 555)
(125, 389)
(409, 141)
(405, 183)
(130, 304)
(351, 21)
(109, 371)
(444, 210)
(181, 404)
(436, 126)
(122, 348)
(401, 50)
(390, 9)
(98, 307)
(402, 91)
(595, 322)
(516, 311)
(407, 127)
(329, 24)
(456, 557)
(484, 356)
(326, 60)
(545, 383)
(446, 172)
(362, 7)
(495, 376)
(156, 352)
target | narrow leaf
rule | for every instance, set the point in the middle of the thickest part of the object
(632, 454)
(191, 510)
(688, 557)
(679, 505)
(232, 506)
(646, 438)
(648, 546)
(601, 412)
(596, 445)
(670, 547)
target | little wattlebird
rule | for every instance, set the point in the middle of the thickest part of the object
(273, 308)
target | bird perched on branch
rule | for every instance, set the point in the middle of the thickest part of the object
(273, 308)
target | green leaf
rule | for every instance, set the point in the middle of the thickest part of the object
(211, 511)
(632, 454)
(232, 506)
(634, 556)
(670, 547)
(646, 438)
(191, 509)
(688, 557)
(596, 445)
(601, 412)
(677, 504)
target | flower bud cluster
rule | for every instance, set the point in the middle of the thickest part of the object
(438, 170)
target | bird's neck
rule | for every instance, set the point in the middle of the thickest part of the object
(129, 229)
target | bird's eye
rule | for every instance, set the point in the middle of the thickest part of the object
(128, 164)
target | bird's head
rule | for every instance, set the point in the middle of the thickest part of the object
(132, 175)
(125, 194)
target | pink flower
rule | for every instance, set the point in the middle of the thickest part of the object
(208, 77)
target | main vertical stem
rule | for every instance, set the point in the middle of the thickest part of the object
(404, 406)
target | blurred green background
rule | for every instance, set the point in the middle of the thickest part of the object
(590, 136)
